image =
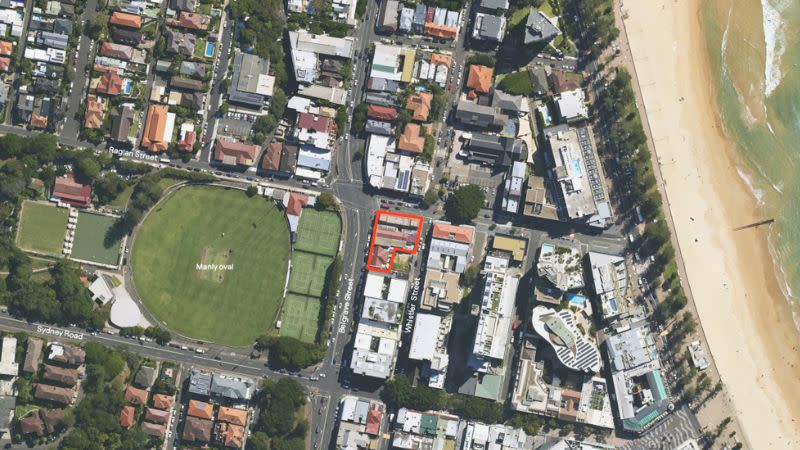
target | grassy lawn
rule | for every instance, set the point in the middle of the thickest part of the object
(308, 273)
(547, 9)
(42, 227)
(520, 15)
(299, 317)
(122, 199)
(200, 49)
(318, 232)
(204, 225)
(90, 239)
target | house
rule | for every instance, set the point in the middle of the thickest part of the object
(145, 377)
(118, 51)
(153, 429)
(495, 150)
(67, 190)
(479, 80)
(32, 355)
(191, 21)
(201, 410)
(271, 159)
(125, 20)
(571, 106)
(180, 43)
(38, 122)
(197, 430)
(95, 112)
(52, 418)
(55, 40)
(406, 19)
(232, 435)
(233, 153)
(420, 105)
(539, 29)
(24, 108)
(186, 83)
(232, 387)
(121, 121)
(31, 424)
(62, 26)
(110, 83)
(162, 401)
(512, 187)
(494, 6)
(53, 394)
(489, 27)
(194, 69)
(127, 37)
(388, 16)
(127, 417)
(418, 22)
(60, 375)
(183, 5)
(294, 203)
(156, 415)
(480, 116)
(378, 127)
(234, 416)
(411, 140)
(440, 31)
(158, 128)
(381, 112)
(67, 355)
(188, 137)
(135, 395)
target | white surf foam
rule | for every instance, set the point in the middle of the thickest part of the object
(774, 39)
(757, 193)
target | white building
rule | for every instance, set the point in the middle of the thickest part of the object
(610, 281)
(561, 266)
(496, 317)
(572, 106)
(573, 348)
(512, 188)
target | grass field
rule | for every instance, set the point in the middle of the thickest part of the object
(308, 273)
(42, 228)
(176, 237)
(318, 232)
(299, 317)
(90, 235)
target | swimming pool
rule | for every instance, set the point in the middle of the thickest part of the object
(209, 50)
(127, 86)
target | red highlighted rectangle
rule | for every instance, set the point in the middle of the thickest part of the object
(384, 255)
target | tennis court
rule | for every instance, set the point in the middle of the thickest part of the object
(90, 239)
(308, 273)
(318, 232)
(42, 228)
(299, 317)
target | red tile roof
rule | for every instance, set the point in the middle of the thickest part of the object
(232, 435)
(156, 415)
(480, 78)
(420, 105)
(127, 416)
(442, 31)
(110, 83)
(200, 409)
(118, 51)
(307, 121)
(233, 416)
(193, 21)
(230, 152)
(374, 417)
(410, 140)
(31, 424)
(126, 20)
(381, 112)
(161, 401)
(69, 190)
(38, 121)
(197, 430)
(450, 232)
(4, 64)
(296, 203)
(6, 48)
(380, 256)
(153, 429)
(154, 128)
(441, 59)
(95, 112)
(136, 396)
(272, 157)
(187, 143)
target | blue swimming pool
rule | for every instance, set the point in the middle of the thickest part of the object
(209, 49)
(127, 86)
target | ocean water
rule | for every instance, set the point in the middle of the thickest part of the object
(754, 48)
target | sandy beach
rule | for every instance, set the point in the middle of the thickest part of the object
(746, 319)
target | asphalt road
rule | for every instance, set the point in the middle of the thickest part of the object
(72, 127)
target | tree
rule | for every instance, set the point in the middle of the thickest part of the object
(87, 169)
(465, 204)
(431, 197)
(160, 335)
(359, 117)
(251, 191)
(470, 275)
(108, 187)
(341, 120)
(398, 392)
(277, 105)
(224, 107)
(325, 201)
(289, 352)
(427, 150)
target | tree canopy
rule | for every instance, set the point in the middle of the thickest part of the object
(465, 204)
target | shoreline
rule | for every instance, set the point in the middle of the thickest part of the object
(732, 277)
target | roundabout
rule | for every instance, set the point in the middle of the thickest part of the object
(210, 263)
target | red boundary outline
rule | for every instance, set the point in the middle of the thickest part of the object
(395, 250)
